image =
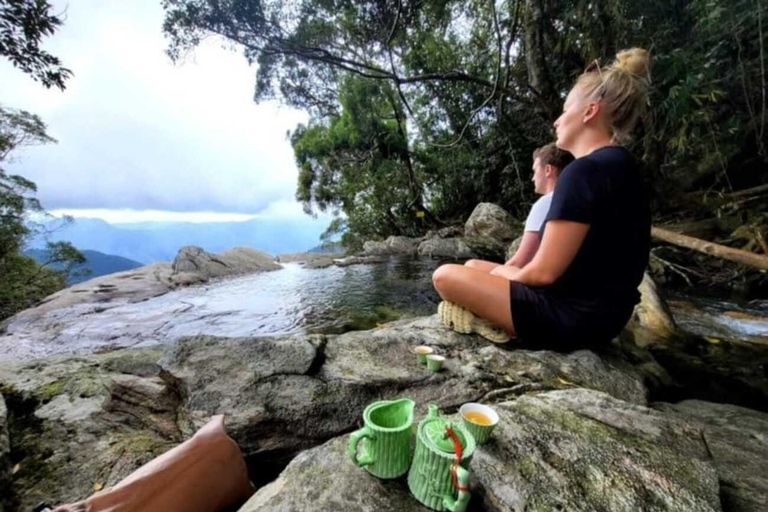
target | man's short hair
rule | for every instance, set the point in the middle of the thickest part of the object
(552, 155)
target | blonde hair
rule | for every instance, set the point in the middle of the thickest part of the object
(622, 89)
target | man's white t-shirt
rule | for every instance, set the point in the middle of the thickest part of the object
(539, 210)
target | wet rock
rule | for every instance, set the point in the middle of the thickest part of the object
(193, 265)
(492, 221)
(80, 422)
(324, 479)
(582, 450)
(737, 439)
(450, 232)
(453, 248)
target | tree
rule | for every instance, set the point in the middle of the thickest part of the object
(23, 24)
(23, 282)
(477, 84)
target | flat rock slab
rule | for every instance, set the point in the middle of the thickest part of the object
(737, 439)
(582, 450)
(283, 394)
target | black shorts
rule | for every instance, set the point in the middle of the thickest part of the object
(544, 320)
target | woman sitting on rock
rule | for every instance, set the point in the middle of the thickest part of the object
(581, 286)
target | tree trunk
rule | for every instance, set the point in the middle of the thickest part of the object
(535, 56)
(711, 248)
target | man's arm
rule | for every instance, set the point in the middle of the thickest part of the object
(526, 250)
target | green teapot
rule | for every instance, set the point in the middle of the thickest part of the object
(385, 439)
(444, 449)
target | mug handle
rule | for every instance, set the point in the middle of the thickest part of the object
(459, 504)
(365, 459)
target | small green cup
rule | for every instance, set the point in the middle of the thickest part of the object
(422, 351)
(473, 411)
(435, 362)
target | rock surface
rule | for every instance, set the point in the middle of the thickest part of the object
(574, 450)
(737, 439)
(454, 248)
(193, 265)
(490, 220)
(324, 479)
(394, 245)
(581, 450)
(80, 423)
(652, 313)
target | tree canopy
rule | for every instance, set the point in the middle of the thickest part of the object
(420, 109)
(23, 25)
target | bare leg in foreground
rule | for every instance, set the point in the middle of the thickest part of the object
(206, 473)
(484, 295)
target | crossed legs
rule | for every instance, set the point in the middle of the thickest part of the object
(472, 287)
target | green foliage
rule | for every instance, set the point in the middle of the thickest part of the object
(23, 282)
(434, 106)
(23, 24)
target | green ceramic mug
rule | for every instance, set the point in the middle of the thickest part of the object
(385, 439)
(479, 420)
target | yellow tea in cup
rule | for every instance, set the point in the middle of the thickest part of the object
(478, 418)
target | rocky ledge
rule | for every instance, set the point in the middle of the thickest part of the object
(577, 431)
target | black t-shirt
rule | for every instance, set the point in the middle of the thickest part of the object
(604, 190)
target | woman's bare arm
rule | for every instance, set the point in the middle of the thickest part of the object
(561, 242)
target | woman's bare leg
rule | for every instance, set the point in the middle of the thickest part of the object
(206, 473)
(485, 266)
(484, 295)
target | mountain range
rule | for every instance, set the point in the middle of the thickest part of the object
(96, 264)
(148, 242)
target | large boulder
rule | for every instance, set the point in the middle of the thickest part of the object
(490, 220)
(489, 231)
(574, 450)
(394, 245)
(283, 394)
(193, 265)
(737, 439)
(450, 248)
(580, 450)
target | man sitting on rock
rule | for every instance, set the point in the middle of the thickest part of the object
(548, 161)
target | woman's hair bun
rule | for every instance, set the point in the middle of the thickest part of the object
(635, 60)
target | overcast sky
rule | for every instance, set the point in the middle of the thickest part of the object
(136, 132)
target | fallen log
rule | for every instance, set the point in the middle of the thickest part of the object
(711, 248)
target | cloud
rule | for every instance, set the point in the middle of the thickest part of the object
(138, 132)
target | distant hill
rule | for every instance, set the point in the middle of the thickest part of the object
(99, 263)
(148, 242)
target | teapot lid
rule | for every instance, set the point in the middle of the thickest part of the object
(436, 435)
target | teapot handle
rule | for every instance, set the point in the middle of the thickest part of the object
(459, 504)
(365, 459)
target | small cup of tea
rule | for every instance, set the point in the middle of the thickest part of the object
(422, 351)
(435, 362)
(479, 420)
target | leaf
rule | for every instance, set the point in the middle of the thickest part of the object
(565, 382)
(97, 486)
(713, 341)
(15, 469)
